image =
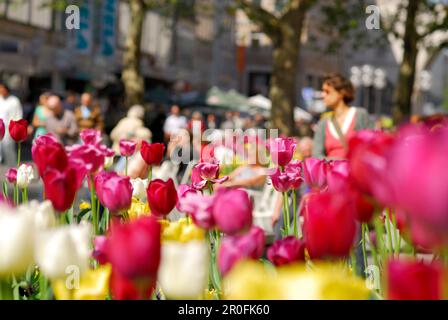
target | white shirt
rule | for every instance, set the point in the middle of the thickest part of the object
(174, 123)
(10, 109)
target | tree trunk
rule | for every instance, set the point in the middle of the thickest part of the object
(283, 86)
(132, 79)
(405, 86)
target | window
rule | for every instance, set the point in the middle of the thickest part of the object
(256, 37)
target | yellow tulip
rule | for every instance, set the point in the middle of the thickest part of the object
(138, 209)
(84, 205)
(255, 281)
(181, 231)
(93, 285)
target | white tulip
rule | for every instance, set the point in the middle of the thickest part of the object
(24, 175)
(139, 187)
(59, 251)
(16, 241)
(42, 213)
(183, 271)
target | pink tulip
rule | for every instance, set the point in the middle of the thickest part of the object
(114, 191)
(315, 173)
(204, 173)
(285, 181)
(100, 249)
(287, 250)
(417, 172)
(182, 191)
(90, 136)
(340, 166)
(11, 175)
(235, 248)
(2, 129)
(232, 211)
(90, 155)
(282, 150)
(127, 147)
(200, 208)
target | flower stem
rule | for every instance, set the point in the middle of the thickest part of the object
(364, 229)
(149, 174)
(19, 147)
(388, 232)
(286, 205)
(42, 286)
(126, 167)
(294, 210)
(24, 195)
(396, 235)
(93, 206)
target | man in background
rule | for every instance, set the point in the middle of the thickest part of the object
(88, 115)
(174, 123)
(62, 123)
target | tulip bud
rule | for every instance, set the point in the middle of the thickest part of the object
(18, 130)
(139, 187)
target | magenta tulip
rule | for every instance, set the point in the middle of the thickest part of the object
(182, 191)
(11, 175)
(232, 211)
(282, 150)
(204, 173)
(2, 129)
(47, 152)
(287, 250)
(91, 136)
(235, 248)
(127, 147)
(315, 173)
(90, 155)
(114, 191)
(199, 207)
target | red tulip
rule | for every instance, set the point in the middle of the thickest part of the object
(152, 153)
(90, 155)
(60, 187)
(91, 136)
(287, 250)
(114, 191)
(200, 208)
(18, 130)
(205, 172)
(2, 129)
(123, 288)
(232, 211)
(133, 248)
(11, 175)
(414, 280)
(127, 147)
(162, 197)
(47, 152)
(315, 173)
(282, 150)
(329, 225)
(235, 248)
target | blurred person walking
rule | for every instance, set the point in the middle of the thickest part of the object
(228, 123)
(88, 115)
(174, 123)
(61, 123)
(127, 127)
(41, 114)
(10, 109)
(70, 101)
